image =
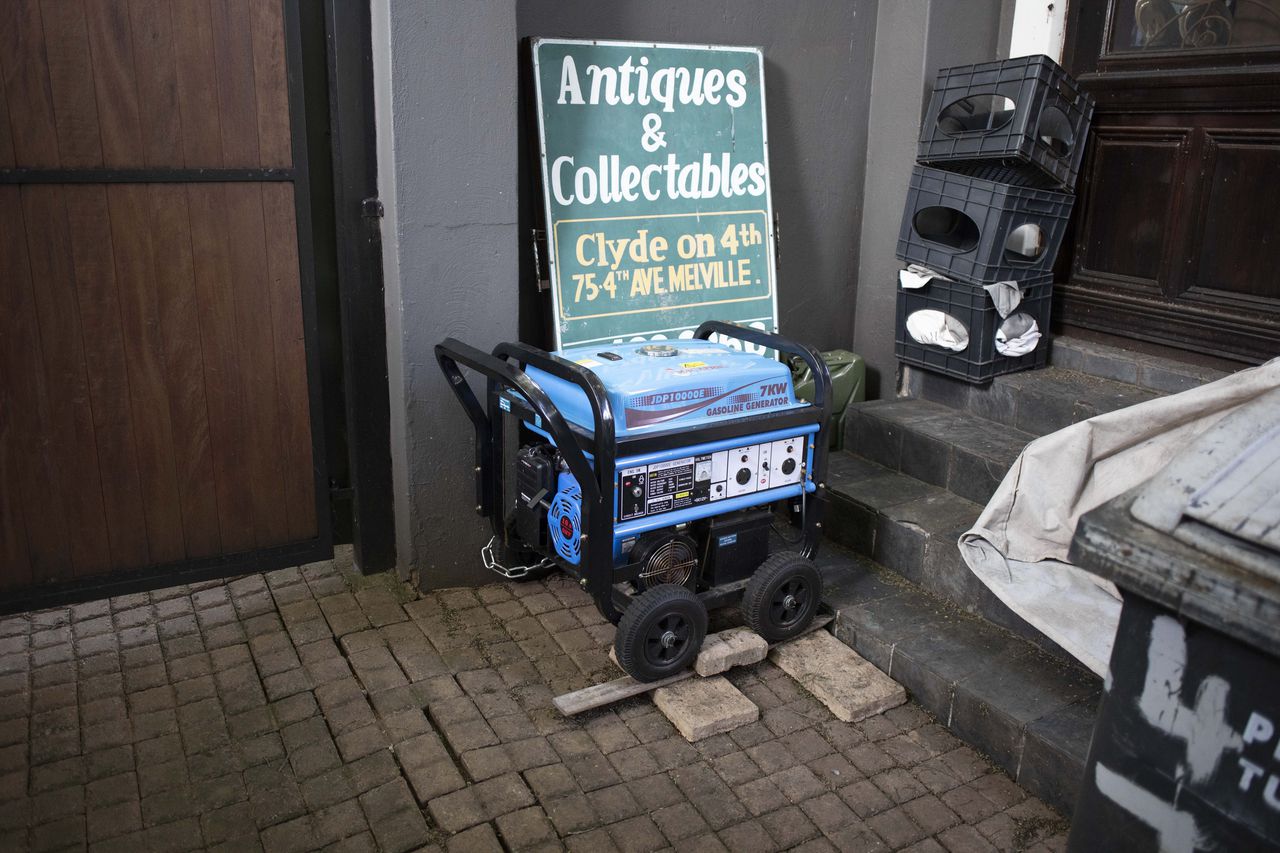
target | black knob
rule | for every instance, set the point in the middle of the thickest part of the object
(745, 458)
(744, 476)
(788, 466)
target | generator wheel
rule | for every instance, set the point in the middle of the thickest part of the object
(661, 632)
(782, 597)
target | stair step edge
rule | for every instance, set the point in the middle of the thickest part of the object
(1029, 713)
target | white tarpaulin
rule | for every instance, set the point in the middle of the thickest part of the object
(1018, 546)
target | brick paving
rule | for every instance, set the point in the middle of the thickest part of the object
(313, 709)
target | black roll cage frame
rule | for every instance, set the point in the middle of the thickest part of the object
(504, 368)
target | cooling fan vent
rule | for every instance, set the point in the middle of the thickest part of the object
(564, 519)
(667, 558)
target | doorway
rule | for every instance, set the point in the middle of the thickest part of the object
(1174, 231)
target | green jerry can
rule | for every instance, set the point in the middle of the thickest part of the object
(848, 385)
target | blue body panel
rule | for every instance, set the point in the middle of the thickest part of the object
(699, 384)
(688, 383)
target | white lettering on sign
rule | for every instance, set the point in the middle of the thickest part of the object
(633, 83)
(610, 182)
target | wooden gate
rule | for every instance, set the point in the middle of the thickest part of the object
(159, 391)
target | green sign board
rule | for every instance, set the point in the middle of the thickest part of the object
(655, 175)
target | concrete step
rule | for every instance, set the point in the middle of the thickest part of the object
(946, 447)
(1152, 372)
(1029, 712)
(911, 527)
(1037, 402)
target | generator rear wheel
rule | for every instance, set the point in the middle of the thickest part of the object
(660, 633)
(782, 597)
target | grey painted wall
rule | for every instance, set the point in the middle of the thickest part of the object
(458, 259)
(447, 145)
(818, 57)
(914, 38)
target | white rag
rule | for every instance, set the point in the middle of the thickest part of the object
(1006, 295)
(916, 276)
(1018, 546)
(938, 329)
(1017, 335)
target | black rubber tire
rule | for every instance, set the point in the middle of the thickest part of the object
(764, 601)
(666, 608)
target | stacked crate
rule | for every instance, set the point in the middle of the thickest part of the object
(989, 201)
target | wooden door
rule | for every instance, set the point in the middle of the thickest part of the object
(158, 397)
(1175, 236)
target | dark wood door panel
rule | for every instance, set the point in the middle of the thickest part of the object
(158, 373)
(154, 378)
(144, 83)
(1130, 212)
(1239, 249)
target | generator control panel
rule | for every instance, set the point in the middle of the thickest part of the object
(688, 481)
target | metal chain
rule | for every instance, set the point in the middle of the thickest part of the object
(514, 572)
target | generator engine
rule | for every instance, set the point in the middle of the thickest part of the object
(651, 472)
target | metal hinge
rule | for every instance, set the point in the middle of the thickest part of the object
(371, 208)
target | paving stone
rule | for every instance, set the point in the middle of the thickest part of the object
(702, 707)
(394, 817)
(525, 829)
(726, 649)
(478, 839)
(789, 827)
(206, 691)
(836, 675)
(637, 834)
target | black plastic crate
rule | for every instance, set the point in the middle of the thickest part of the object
(971, 305)
(978, 230)
(1025, 114)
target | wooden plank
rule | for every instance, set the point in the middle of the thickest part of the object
(73, 446)
(290, 349)
(6, 132)
(25, 76)
(33, 529)
(75, 107)
(237, 99)
(115, 83)
(220, 344)
(156, 70)
(89, 223)
(179, 327)
(260, 396)
(271, 83)
(599, 695)
(196, 84)
(144, 362)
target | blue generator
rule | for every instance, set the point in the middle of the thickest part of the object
(654, 474)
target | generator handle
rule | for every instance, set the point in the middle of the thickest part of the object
(450, 353)
(601, 412)
(811, 357)
(822, 399)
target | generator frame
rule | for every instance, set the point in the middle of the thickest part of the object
(597, 572)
